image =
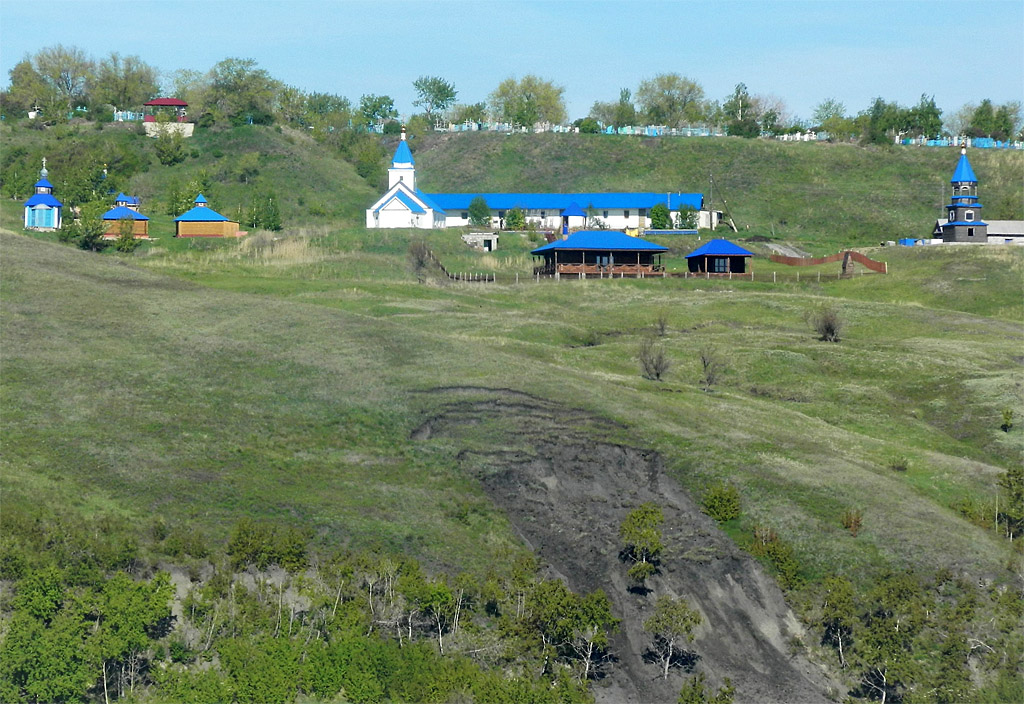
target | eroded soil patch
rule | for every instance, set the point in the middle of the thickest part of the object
(567, 489)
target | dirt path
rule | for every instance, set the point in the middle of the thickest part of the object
(567, 494)
(786, 250)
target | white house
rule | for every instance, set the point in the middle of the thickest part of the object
(404, 205)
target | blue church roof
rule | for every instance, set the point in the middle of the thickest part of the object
(561, 201)
(720, 248)
(122, 212)
(201, 213)
(122, 198)
(43, 199)
(200, 199)
(43, 183)
(963, 173)
(405, 200)
(403, 155)
(429, 201)
(602, 240)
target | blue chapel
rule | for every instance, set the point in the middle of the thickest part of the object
(42, 210)
(963, 222)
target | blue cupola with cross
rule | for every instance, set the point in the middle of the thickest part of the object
(42, 210)
(963, 214)
(403, 166)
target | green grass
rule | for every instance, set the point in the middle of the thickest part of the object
(228, 380)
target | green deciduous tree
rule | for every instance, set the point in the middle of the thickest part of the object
(640, 533)
(528, 101)
(617, 114)
(695, 691)
(671, 626)
(434, 94)
(515, 219)
(1011, 491)
(475, 112)
(67, 70)
(670, 99)
(169, 147)
(376, 109)
(661, 217)
(838, 615)
(241, 92)
(479, 212)
(124, 82)
(828, 109)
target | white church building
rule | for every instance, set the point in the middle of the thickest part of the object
(404, 205)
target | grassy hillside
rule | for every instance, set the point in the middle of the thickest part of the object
(308, 380)
(825, 195)
(313, 357)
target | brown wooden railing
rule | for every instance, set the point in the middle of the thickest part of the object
(880, 267)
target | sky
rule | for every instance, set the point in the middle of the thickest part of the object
(802, 51)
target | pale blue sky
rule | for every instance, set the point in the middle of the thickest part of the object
(802, 51)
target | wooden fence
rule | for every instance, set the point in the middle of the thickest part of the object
(867, 263)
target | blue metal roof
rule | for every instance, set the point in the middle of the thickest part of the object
(122, 198)
(200, 199)
(122, 212)
(967, 223)
(43, 183)
(573, 211)
(963, 173)
(201, 213)
(720, 248)
(602, 240)
(405, 200)
(43, 199)
(403, 155)
(429, 201)
(561, 201)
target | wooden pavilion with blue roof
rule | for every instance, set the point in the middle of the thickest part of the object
(204, 221)
(600, 253)
(42, 209)
(720, 258)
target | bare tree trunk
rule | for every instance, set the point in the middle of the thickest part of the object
(106, 697)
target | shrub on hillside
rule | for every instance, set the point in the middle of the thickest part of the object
(654, 363)
(722, 502)
(827, 323)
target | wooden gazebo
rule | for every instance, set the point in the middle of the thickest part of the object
(720, 258)
(600, 253)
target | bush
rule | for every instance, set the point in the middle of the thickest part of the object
(827, 323)
(722, 502)
(515, 219)
(899, 463)
(1007, 420)
(852, 520)
(654, 363)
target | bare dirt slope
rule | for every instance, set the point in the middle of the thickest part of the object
(567, 492)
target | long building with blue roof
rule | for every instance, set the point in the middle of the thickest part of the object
(404, 205)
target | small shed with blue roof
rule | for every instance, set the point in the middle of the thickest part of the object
(204, 221)
(720, 258)
(42, 209)
(600, 253)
